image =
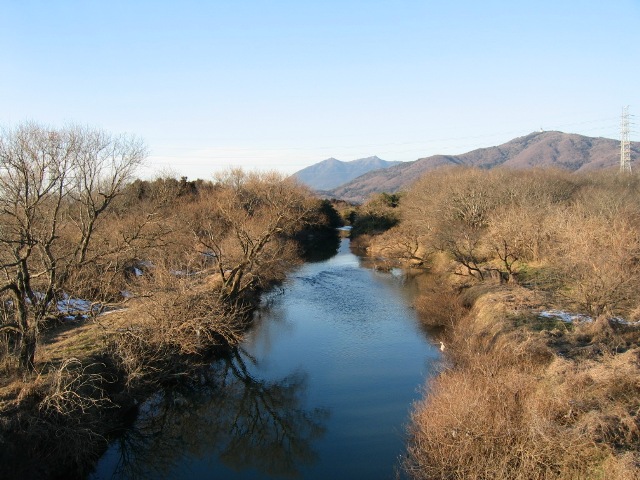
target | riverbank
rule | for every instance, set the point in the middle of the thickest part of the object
(94, 371)
(525, 396)
(533, 282)
(92, 376)
(526, 390)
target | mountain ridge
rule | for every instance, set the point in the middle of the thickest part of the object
(551, 149)
(331, 173)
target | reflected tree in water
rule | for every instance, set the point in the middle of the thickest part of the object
(247, 423)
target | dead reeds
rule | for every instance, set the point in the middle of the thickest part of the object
(508, 407)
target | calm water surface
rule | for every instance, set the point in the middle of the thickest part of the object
(320, 389)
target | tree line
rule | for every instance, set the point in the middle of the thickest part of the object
(75, 223)
(575, 235)
(523, 393)
(188, 260)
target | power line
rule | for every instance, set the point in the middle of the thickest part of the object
(194, 156)
(606, 124)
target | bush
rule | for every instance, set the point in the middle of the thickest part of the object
(507, 407)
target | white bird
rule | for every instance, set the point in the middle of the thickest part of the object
(441, 347)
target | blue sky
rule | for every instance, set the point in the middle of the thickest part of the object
(285, 84)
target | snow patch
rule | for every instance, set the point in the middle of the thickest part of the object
(566, 317)
(569, 317)
(76, 308)
(80, 309)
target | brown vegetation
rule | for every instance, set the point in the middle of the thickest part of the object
(55, 187)
(187, 260)
(510, 407)
(520, 395)
(570, 152)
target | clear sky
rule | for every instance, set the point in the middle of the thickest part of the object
(279, 84)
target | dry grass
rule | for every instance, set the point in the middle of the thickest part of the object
(180, 322)
(55, 418)
(565, 422)
(60, 414)
(509, 407)
(437, 305)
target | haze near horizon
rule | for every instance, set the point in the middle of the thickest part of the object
(284, 85)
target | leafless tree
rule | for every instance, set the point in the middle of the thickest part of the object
(245, 226)
(55, 185)
(597, 259)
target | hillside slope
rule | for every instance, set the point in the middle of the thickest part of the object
(567, 151)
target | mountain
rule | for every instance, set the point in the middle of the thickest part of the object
(331, 173)
(567, 151)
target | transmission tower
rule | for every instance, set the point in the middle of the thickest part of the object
(625, 145)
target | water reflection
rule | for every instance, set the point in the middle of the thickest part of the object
(322, 247)
(352, 341)
(225, 413)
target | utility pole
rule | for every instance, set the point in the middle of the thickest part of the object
(625, 145)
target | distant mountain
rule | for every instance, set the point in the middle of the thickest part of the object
(568, 151)
(331, 173)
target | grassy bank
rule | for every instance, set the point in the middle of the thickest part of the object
(173, 274)
(92, 374)
(522, 397)
(533, 284)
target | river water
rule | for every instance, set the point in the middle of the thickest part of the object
(320, 389)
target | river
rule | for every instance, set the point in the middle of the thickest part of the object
(320, 388)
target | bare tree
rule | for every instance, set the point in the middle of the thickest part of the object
(465, 200)
(51, 180)
(244, 227)
(597, 259)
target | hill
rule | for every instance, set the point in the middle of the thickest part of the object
(568, 151)
(331, 173)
